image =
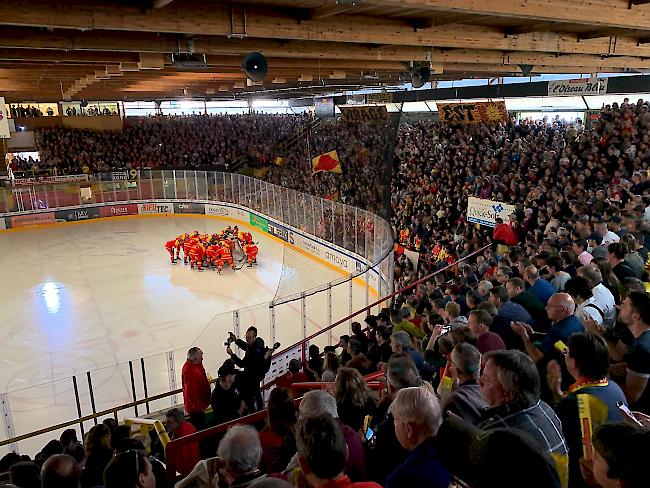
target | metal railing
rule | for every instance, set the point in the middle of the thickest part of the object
(300, 347)
(94, 388)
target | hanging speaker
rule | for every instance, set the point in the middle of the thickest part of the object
(255, 66)
(84, 103)
(420, 76)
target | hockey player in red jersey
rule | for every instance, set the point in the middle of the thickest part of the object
(251, 251)
(171, 249)
(197, 253)
(224, 256)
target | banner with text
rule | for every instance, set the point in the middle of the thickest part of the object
(485, 212)
(189, 208)
(77, 214)
(473, 113)
(572, 88)
(33, 219)
(155, 208)
(259, 222)
(47, 180)
(118, 210)
(366, 113)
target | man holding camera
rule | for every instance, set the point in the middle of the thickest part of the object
(256, 363)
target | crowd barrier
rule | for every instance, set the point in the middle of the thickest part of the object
(356, 242)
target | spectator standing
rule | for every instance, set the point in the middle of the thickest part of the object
(603, 297)
(401, 324)
(226, 400)
(255, 364)
(417, 417)
(508, 312)
(196, 388)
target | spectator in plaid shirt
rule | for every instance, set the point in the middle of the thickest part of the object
(511, 386)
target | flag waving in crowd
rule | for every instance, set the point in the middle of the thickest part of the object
(327, 162)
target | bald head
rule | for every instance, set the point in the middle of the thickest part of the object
(560, 306)
(60, 471)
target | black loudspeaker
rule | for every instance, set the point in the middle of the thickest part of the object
(84, 103)
(255, 66)
(420, 76)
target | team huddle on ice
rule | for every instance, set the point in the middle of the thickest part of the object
(213, 250)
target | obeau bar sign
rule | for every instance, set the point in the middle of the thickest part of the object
(572, 88)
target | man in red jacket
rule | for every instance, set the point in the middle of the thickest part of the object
(196, 387)
(504, 233)
(178, 427)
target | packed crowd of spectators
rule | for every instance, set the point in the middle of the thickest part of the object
(527, 365)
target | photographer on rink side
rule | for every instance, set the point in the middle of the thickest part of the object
(255, 364)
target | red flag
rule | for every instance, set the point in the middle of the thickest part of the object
(327, 162)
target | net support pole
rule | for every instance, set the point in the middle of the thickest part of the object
(171, 372)
(329, 312)
(8, 421)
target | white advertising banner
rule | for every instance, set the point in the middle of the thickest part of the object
(582, 86)
(155, 208)
(218, 210)
(4, 120)
(485, 212)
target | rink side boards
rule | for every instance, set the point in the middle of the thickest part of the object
(315, 248)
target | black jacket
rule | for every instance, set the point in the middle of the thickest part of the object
(253, 362)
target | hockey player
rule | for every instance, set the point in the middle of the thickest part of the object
(171, 249)
(251, 251)
(197, 253)
(212, 254)
(224, 256)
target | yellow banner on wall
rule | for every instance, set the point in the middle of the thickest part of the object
(473, 112)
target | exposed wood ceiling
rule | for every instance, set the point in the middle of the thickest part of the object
(125, 49)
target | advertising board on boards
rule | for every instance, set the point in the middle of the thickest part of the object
(118, 210)
(155, 208)
(278, 231)
(74, 215)
(189, 208)
(259, 222)
(217, 210)
(33, 219)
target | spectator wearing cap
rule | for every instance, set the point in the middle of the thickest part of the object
(479, 323)
(401, 342)
(510, 385)
(517, 293)
(542, 289)
(417, 417)
(616, 256)
(595, 246)
(400, 324)
(587, 361)
(465, 400)
(603, 298)
(507, 312)
(559, 276)
(322, 453)
(579, 248)
(226, 401)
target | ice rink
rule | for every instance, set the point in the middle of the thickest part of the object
(93, 296)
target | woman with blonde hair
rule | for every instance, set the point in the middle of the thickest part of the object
(353, 398)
